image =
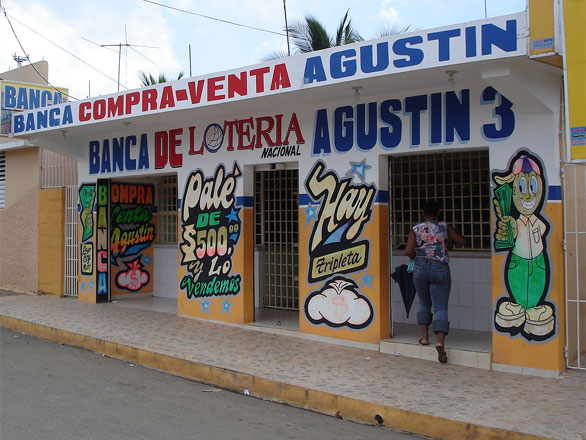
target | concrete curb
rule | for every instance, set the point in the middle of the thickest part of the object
(327, 403)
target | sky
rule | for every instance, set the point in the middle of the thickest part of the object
(58, 31)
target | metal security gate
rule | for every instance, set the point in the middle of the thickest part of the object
(71, 244)
(276, 236)
(574, 186)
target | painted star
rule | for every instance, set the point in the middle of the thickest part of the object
(82, 286)
(226, 307)
(147, 260)
(205, 306)
(91, 285)
(233, 216)
(311, 213)
(366, 279)
(359, 168)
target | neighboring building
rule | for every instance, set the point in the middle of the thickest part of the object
(32, 222)
(292, 185)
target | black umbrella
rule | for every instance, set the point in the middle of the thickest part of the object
(406, 284)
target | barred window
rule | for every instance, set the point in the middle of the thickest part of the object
(2, 180)
(167, 209)
(459, 181)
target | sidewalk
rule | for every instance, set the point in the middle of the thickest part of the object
(423, 397)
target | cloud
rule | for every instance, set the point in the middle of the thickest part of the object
(388, 12)
(338, 304)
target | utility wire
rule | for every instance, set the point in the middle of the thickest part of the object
(214, 18)
(62, 48)
(28, 58)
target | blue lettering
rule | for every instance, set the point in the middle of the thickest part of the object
(34, 98)
(57, 98)
(415, 55)
(130, 162)
(470, 42)
(41, 120)
(9, 97)
(382, 58)
(94, 157)
(106, 165)
(45, 98)
(436, 118)
(118, 154)
(506, 39)
(321, 135)
(443, 39)
(143, 154)
(415, 105)
(30, 122)
(102, 285)
(18, 123)
(458, 116)
(390, 138)
(366, 139)
(67, 115)
(343, 128)
(340, 68)
(314, 70)
(22, 101)
(54, 117)
(503, 111)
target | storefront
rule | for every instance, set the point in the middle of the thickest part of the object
(292, 184)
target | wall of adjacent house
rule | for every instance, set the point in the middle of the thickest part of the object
(19, 221)
(51, 244)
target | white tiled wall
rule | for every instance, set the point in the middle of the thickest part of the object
(165, 271)
(470, 305)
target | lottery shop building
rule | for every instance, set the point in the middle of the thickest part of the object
(289, 187)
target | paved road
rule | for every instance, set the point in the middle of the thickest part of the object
(51, 391)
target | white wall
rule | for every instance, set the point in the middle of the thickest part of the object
(470, 305)
(165, 261)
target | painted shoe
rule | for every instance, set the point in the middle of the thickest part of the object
(539, 320)
(510, 314)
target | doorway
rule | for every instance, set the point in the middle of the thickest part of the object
(277, 245)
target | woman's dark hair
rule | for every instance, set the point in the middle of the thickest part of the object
(430, 207)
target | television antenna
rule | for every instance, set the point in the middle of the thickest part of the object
(19, 59)
(127, 46)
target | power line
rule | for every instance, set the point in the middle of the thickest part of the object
(62, 48)
(214, 18)
(27, 56)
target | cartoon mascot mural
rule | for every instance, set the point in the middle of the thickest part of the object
(522, 229)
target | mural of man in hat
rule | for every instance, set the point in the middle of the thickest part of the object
(521, 232)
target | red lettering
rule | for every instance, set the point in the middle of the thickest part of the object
(149, 195)
(260, 78)
(132, 99)
(280, 77)
(123, 194)
(140, 195)
(245, 132)
(102, 257)
(294, 126)
(84, 111)
(237, 85)
(99, 109)
(195, 94)
(149, 100)
(161, 142)
(175, 159)
(279, 119)
(131, 193)
(115, 193)
(115, 107)
(264, 133)
(167, 98)
(213, 87)
(192, 149)
(229, 128)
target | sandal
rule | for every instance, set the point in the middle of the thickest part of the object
(442, 356)
(422, 343)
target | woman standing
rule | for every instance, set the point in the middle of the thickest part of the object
(428, 244)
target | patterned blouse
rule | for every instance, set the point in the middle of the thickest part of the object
(432, 240)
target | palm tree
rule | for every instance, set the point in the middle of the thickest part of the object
(150, 80)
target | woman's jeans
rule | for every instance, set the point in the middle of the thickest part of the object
(433, 283)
